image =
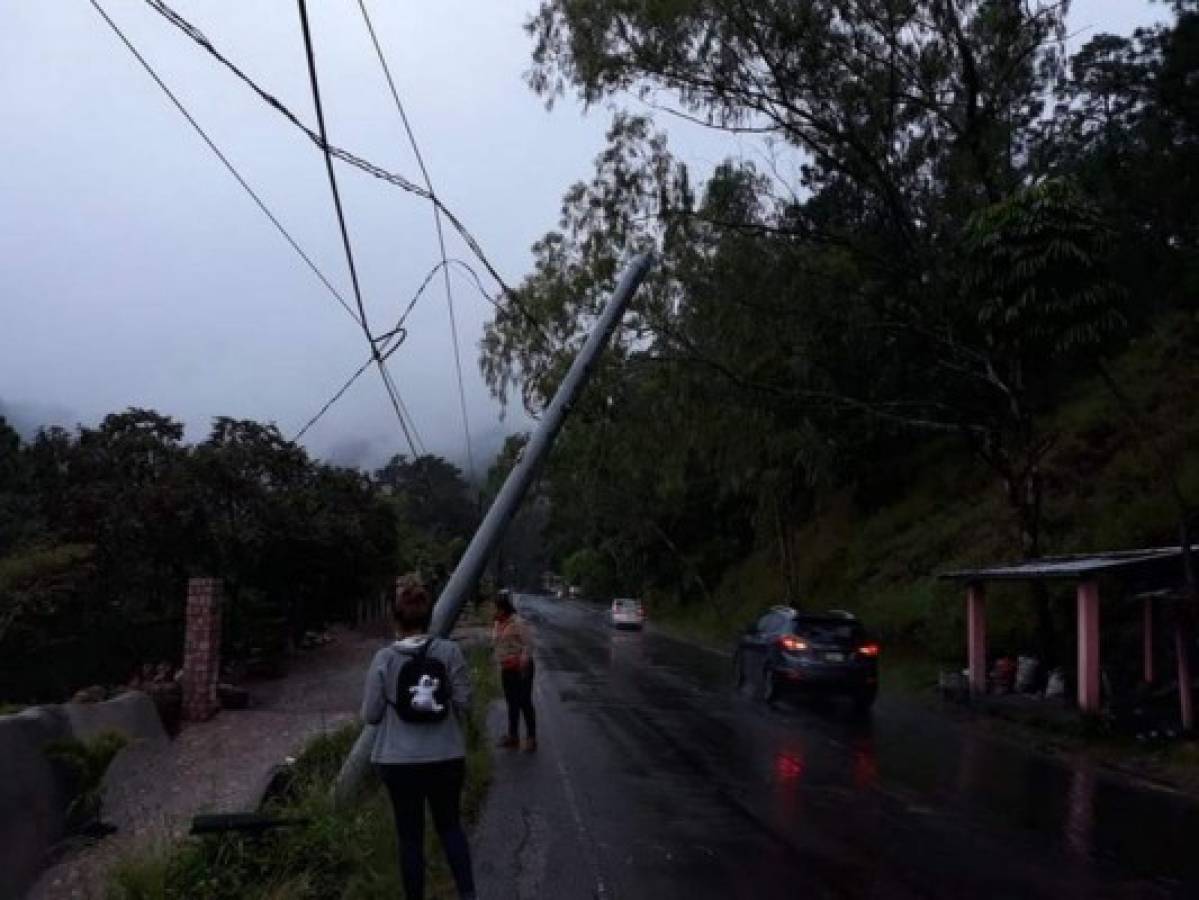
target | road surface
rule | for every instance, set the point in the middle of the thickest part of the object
(657, 779)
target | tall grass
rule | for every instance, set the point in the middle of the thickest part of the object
(335, 853)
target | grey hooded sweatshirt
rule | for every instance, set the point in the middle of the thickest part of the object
(397, 741)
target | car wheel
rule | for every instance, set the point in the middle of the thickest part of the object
(770, 688)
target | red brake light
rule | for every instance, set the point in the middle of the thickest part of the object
(791, 642)
(870, 649)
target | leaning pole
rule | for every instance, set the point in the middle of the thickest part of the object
(466, 574)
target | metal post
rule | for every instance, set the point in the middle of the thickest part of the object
(470, 567)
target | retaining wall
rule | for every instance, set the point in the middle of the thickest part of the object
(33, 799)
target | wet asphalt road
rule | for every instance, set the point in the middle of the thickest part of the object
(657, 779)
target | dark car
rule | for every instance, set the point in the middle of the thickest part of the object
(828, 653)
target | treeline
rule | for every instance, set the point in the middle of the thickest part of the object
(100, 528)
(948, 225)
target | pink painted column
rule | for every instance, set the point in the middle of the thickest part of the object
(1088, 647)
(1147, 635)
(1185, 700)
(202, 649)
(976, 637)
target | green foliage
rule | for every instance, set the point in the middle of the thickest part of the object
(337, 853)
(100, 528)
(84, 764)
(589, 570)
(898, 304)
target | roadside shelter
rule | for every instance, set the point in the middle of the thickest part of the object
(1152, 575)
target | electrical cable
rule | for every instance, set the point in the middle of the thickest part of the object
(399, 334)
(389, 384)
(358, 162)
(223, 158)
(449, 293)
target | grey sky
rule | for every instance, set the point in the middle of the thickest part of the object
(136, 272)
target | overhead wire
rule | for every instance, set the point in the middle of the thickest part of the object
(320, 140)
(200, 39)
(393, 394)
(449, 293)
(336, 294)
(399, 334)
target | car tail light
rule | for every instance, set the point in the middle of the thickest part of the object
(870, 649)
(791, 643)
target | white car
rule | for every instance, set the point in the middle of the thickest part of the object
(627, 613)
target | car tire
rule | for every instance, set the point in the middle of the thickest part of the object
(770, 688)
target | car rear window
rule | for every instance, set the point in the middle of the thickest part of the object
(627, 604)
(830, 631)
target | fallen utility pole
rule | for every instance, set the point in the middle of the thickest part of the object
(466, 574)
(465, 578)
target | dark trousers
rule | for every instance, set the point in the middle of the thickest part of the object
(518, 691)
(440, 784)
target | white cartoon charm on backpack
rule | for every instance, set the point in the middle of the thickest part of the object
(423, 697)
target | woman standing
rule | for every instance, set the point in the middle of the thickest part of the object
(513, 638)
(416, 690)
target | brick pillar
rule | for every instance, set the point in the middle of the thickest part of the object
(202, 649)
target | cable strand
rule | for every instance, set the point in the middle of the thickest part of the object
(449, 293)
(223, 158)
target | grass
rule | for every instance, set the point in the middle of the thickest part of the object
(339, 853)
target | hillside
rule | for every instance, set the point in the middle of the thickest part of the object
(879, 558)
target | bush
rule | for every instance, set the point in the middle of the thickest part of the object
(84, 764)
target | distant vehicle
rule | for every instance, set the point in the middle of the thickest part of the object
(827, 653)
(627, 613)
(575, 593)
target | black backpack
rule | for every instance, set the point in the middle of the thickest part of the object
(422, 688)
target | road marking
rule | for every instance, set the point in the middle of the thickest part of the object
(585, 839)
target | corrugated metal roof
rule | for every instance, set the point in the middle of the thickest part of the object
(1079, 566)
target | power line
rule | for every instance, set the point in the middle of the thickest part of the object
(224, 159)
(449, 293)
(198, 37)
(341, 217)
(388, 383)
(398, 334)
(370, 168)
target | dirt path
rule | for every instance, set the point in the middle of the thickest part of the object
(220, 765)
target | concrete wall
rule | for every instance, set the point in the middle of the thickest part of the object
(32, 798)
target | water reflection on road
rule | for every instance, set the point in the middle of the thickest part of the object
(901, 803)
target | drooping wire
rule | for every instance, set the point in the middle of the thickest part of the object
(398, 334)
(449, 293)
(370, 168)
(224, 159)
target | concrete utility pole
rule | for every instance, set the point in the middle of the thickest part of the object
(466, 574)
(470, 568)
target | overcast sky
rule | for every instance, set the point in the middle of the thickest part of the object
(136, 272)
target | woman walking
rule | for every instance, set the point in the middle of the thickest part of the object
(513, 638)
(416, 690)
